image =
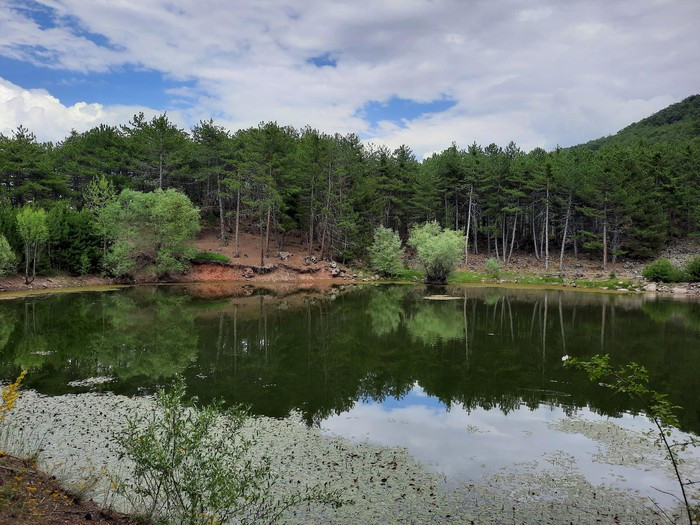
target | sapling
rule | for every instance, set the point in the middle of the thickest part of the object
(194, 465)
(632, 380)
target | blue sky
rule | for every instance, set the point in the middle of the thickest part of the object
(414, 72)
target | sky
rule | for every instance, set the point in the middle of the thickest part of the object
(424, 73)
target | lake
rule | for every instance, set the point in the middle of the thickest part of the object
(468, 386)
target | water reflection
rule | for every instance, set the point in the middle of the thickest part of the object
(320, 351)
(66, 337)
(474, 443)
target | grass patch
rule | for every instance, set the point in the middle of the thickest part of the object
(466, 277)
(610, 283)
(461, 277)
(406, 274)
(210, 256)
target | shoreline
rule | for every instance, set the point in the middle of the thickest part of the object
(93, 283)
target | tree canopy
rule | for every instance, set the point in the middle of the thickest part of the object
(619, 198)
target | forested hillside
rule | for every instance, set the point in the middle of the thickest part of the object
(333, 191)
(679, 121)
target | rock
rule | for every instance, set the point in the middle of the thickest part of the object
(651, 287)
(354, 276)
(335, 272)
(334, 264)
(375, 277)
(248, 273)
(284, 255)
(680, 290)
(314, 259)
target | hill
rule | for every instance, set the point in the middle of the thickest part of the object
(679, 121)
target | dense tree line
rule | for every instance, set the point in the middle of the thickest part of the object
(333, 190)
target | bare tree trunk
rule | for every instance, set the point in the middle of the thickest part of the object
(512, 237)
(238, 218)
(222, 240)
(615, 240)
(323, 238)
(456, 214)
(504, 235)
(469, 220)
(534, 236)
(605, 244)
(27, 251)
(267, 232)
(36, 253)
(563, 240)
(546, 231)
(311, 221)
(476, 225)
(262, 243)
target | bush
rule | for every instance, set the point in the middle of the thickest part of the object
(151, 228)
(8, 259)
(386, 251)
(438, 251)
(693, 269)
(662, 270)
(492, 267)
(193, 465)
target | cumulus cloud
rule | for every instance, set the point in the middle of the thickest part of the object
(48, 119)
(554, 73)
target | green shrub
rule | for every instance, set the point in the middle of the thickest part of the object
(438, 251)
(194, 465)
(149, 229)
(210, 256)
(8, 259)
(693, 269)
(662, 270)
(386, 251)
(492, 267)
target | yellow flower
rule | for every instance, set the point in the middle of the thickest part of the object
(9, 394)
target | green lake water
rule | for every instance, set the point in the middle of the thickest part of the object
(467, 385)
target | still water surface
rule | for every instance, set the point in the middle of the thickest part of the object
(468, 385)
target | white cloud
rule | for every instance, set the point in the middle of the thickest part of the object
(44, 114)
(557, 73)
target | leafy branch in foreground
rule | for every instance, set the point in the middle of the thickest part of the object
(632, 380)
(194, 465)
